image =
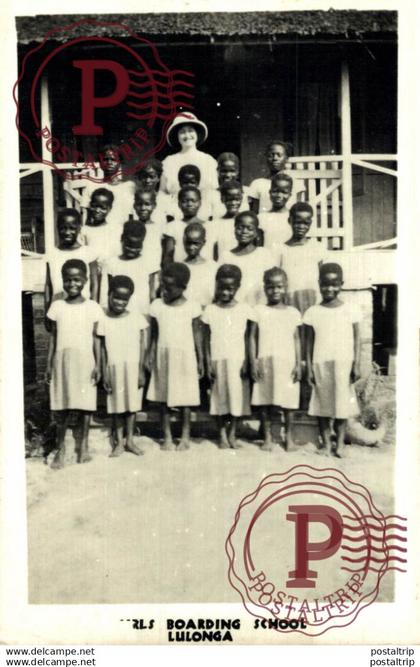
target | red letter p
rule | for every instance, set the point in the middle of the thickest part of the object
(305, 550)
(89, 101)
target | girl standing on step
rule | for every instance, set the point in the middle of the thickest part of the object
(229, 354)
(73, 365)
(122, 352)
(333, 340)
(174, 356)
(278, 368)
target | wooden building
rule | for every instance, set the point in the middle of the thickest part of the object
(324, 80)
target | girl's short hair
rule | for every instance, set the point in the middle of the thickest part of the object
(288, 147)
(273, 272)
(74, 264)
(226, 156)
(154, 163)
(142, 189)
(179, 272)
(281, 177)
(135, 229)
(121, 281)
(189, 188)
(189, 169)
(68, 212)
(247, 214)
(229, 271)
(103, 192)
(300, 207)
(233, 184)
(195, 227)
(331, 267)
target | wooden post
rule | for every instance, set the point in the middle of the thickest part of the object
(47, 173)
(347, 186)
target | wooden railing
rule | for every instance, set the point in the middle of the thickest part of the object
(325, 190)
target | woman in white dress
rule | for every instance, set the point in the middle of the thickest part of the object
(186, 133)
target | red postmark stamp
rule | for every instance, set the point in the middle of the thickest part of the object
(99, 75)
(308, 550)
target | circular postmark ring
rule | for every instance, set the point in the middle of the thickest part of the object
(334, 578)
(154, 93)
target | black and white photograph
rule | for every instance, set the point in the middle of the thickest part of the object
(209, 294)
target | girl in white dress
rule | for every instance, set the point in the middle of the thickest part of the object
(189, 198)
(275, 222)
(203, 271)
(223, 228)
(73, 365)
(277, 155)
(189, 175)
(251, 259)
(228, 169)
(145, 207)
(301, 257)
(333, 341)
(69, 224)
(134, 263)
(97, 233)
(174, 356)
(278, 367)
(149, 178)
(228, 354)
(122, 352)
(113, 180)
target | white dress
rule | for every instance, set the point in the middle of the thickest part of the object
(333, 394)
(152, 244)
(71, 386)
(139, 270)
(172, 164)
(224, 235)
(276, 356)
(230, 393)
(253, 265)
(301, 264)
(260, 189)
(276, 228)
(122, 341)
(201, 286)
(105, 240)
(174, 379)
(55, 261)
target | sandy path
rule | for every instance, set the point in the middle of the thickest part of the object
(152, 528)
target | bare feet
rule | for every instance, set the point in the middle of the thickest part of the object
(84, 457)
(268, 445)
(168, 446)
(131, 447)
(289, 443)
(117, 451)
(233, 442)
(335, 452)
(183, 445)
(58, 461)
(223, 441)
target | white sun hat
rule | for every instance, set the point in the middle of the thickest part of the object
(186, 118)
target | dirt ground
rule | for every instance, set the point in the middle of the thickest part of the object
(152, 528)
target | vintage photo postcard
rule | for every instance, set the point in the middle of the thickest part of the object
(210, 326)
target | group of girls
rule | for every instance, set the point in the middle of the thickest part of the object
(169, 288)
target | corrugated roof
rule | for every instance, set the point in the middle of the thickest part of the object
(283, 24)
